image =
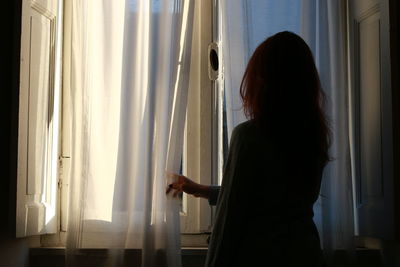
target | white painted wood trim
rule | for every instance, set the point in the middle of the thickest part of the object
(37, 203)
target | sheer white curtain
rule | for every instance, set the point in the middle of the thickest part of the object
(324, 28)
(321, 23)
(129, 77)
(245, 24)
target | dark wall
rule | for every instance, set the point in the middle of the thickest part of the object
(9, 78)
(395, 69)
(13, 252)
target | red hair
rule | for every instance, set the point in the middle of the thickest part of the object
(281, 88)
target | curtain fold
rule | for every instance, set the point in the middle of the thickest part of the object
(322, 24)
(324, 28)
(129, 77)
(336, 190)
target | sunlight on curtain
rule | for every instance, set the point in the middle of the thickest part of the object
(321, 25)
(129, 78)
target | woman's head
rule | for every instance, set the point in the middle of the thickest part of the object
(281, 88)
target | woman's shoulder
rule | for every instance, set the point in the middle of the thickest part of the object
(253, 136)
(246, 133)
(244, 129)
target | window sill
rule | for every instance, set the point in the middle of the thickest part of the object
(193, 240)
(60, 251)
(191, 257)
(55, 256)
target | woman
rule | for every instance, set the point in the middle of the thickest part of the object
(273, 173)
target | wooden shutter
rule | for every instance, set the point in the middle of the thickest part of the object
(372, 110)
(39, 111)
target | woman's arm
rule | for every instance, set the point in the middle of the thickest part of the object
(183, 184)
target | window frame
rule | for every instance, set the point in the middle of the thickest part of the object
(205, 122)
(198, 143)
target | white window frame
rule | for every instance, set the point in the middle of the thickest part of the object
(203, 145)
(197, 155)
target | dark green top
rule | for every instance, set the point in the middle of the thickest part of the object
(261, 217)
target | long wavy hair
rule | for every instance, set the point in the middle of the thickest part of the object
(281, 90)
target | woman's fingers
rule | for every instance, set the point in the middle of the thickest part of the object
(180, 183)
(172, 186)
(177, 188)
(176, 185)
(169, 188)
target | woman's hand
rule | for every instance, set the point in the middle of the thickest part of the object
(183, 184)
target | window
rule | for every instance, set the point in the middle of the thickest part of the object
(45, 117)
